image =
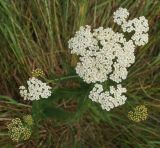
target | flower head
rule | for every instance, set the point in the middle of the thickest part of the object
(120, 16)
(137, 25)
(140, 113)
(17, 130)
(37, 73)
(26, 133)
(36, 90)
(105, 55)
(108, 99)
(28, 120)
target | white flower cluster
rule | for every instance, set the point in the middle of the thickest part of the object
(138, 25)
(36, 90)
(120, 16)
(108, 99)
(106, 55)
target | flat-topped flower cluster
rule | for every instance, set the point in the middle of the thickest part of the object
(36, 90)
(20, 130)
(105, 55)
(108, 99)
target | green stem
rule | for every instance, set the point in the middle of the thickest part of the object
(63, 78)
(4, 134)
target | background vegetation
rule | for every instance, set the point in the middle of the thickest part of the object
(34, 33)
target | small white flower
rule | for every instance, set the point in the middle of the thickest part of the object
(36, 90)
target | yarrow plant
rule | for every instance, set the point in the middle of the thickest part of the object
(105, 55)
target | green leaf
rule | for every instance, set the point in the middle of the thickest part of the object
(45, 108)
(58, 113)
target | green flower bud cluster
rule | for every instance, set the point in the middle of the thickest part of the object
(140, 113)
(28, 120)
(37, 73)
(18, 130)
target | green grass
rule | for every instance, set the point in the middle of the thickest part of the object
(34, 33)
